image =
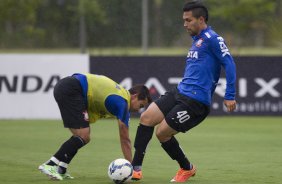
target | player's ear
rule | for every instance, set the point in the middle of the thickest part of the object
(202, 19)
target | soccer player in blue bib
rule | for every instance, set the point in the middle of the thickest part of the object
(188, 105)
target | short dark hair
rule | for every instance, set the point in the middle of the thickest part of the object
(142, 91)
(198, 9)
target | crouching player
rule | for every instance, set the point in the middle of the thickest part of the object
(83, 99)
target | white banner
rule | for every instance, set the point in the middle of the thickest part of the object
(27, 82)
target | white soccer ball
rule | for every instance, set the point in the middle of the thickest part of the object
(120, 170)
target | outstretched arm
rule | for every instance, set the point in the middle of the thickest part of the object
(125, 141)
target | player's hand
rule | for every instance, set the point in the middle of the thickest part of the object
(230, 105)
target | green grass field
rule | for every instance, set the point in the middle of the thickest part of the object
(225, 150)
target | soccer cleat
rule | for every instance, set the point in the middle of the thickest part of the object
(137, 175)
(41, 167)
(183, 175)
(51, 171)
(67, 176)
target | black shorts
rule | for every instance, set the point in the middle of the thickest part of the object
(69, 96)
(181, 112)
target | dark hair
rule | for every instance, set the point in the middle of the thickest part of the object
(142, 91)
(198, 9)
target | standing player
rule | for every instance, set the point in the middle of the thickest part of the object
(83, 99)
(188, 105)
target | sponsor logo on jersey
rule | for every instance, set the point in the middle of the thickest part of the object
(86, 117)
(208, 34)
(199, 42)
(223, 47)
(193, 54)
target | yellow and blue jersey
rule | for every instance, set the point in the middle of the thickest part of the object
(104, 97)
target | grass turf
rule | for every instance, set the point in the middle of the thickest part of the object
(225, 150)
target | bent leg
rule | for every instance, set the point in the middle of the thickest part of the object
(69, 148)
(69, 97)
(148, 120)
(165, 134)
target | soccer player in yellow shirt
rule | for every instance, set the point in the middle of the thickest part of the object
(83, 99)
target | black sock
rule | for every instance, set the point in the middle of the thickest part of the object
(50, 162)
(175, 152)
(68, 150)
(142, 138)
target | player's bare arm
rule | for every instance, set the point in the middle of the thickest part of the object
(125, 141)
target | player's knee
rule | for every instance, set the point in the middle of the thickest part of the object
(145, 119)
(161, 136)
(86, 138)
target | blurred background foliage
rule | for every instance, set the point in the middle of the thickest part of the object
(117, 23)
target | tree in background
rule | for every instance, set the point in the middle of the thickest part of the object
(247, 21)
(166, 24)
(121, 24)
(117, 23)
(60, 19)
(275, 36)
(17, 20)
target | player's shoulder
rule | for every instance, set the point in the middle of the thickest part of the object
(212, 37)
(209, 34)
